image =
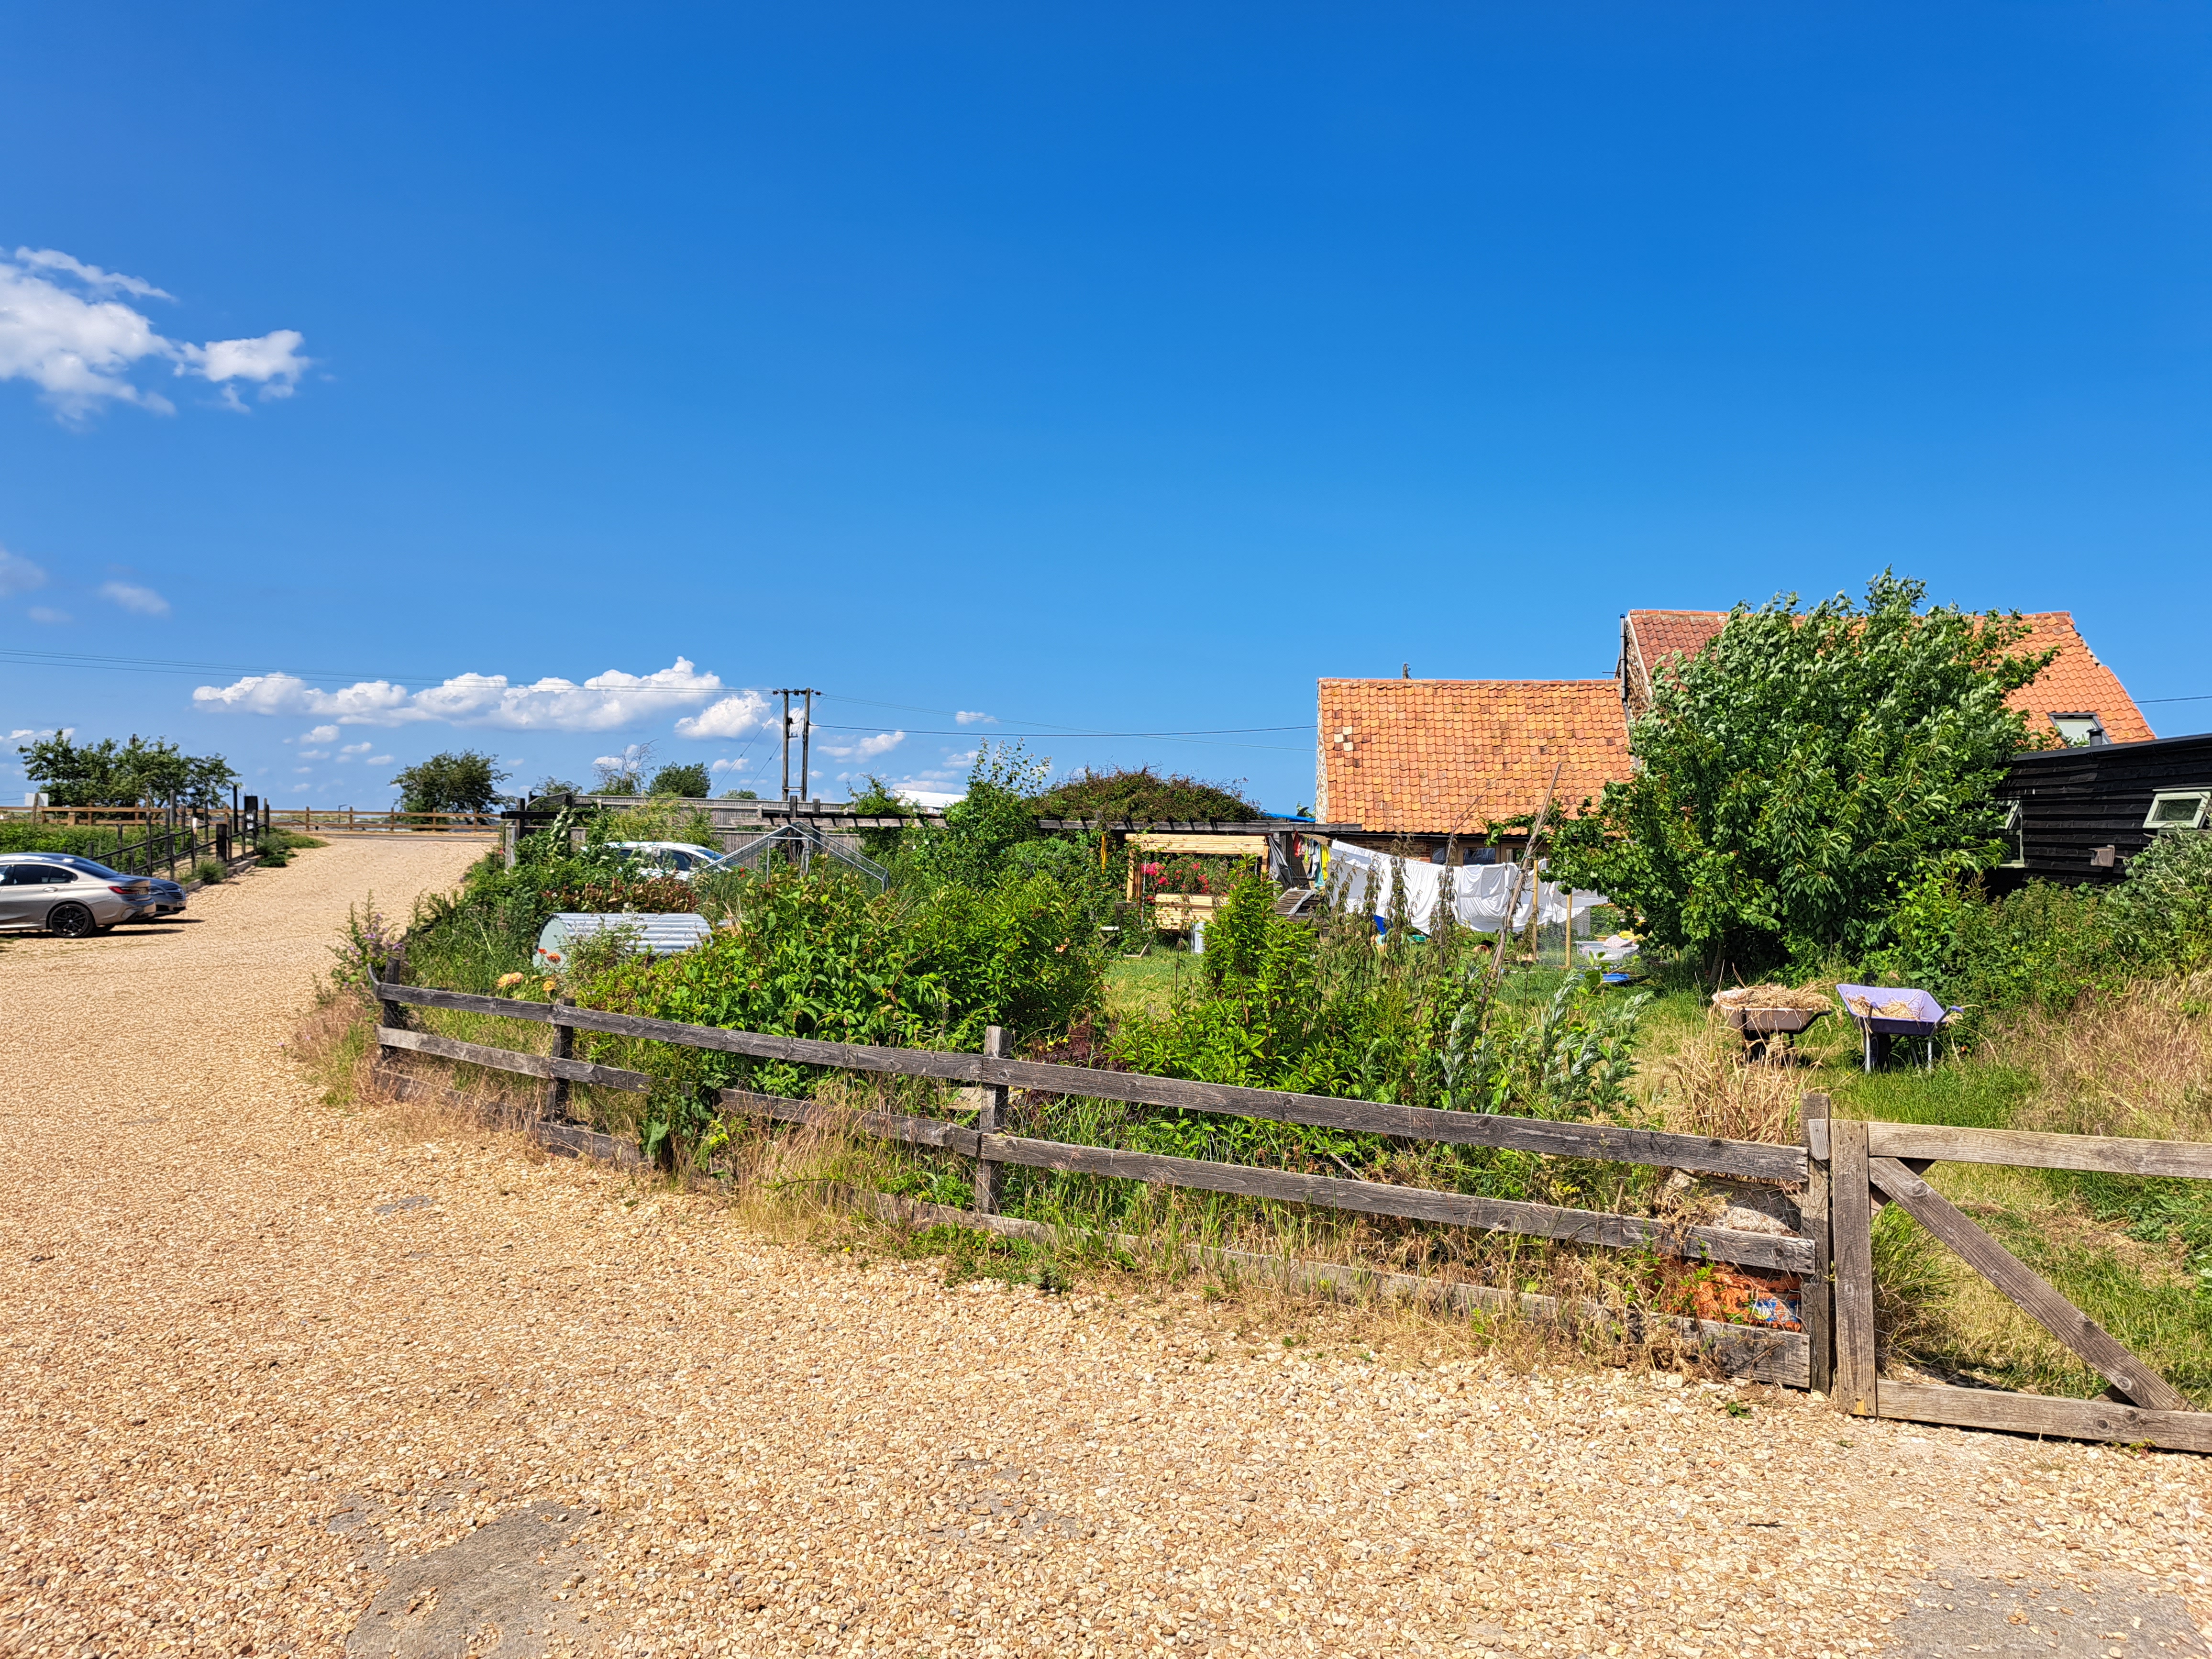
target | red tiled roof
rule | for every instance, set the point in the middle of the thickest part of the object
(2075, 681)
(1652, 637)
(1435, 757)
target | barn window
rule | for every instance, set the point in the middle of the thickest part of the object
(2015, 831)
(2179, 809)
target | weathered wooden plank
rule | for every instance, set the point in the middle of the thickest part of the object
(1749, 1159)
(990, 1175)
(1751, 1350)
(2034, 1296)
(1816, 1292)
(1851, 1215)
(574, 1140)
(888, 1126)
(2036, 1413)
(424, 996)
(507, 1060)
(1788, 1254)
(2031, 1150)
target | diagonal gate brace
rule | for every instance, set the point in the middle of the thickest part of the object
(2126, 1373)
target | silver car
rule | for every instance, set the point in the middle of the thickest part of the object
(168, 897)
(38, 893)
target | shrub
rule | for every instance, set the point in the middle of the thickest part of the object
(210, 872)
(456, 781)
(18, 836)
(1142, 795)
(690, 780)
(1804, 771)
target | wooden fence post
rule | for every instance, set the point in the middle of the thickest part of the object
(1850, 1210)
(1816, 1296)
(989, 1174)
(564, 1048)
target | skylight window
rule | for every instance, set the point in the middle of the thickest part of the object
(2079, 730)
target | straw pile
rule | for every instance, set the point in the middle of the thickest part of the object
(1770, 996)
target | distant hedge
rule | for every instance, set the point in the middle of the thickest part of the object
(83, 841)
(1142, 795)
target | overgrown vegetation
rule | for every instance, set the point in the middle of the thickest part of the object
(1806, 771)
(2092, 1014)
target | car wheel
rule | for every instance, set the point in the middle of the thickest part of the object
(71, 922)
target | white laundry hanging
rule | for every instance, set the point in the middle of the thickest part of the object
(1479, 891)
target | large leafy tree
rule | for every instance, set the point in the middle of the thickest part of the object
(457, 781)
(143, 772)
(1795, 778)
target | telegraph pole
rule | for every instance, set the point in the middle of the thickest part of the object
(805, 735)
(806, 742)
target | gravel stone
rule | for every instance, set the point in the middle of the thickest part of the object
(281, 1379)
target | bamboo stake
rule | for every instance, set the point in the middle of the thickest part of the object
(1520, 870)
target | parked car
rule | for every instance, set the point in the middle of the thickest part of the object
(42, 893)
(681, 859)
(168, 897)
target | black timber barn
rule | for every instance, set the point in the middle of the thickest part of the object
(2081, 813)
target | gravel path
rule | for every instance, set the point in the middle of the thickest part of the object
(284, 1381)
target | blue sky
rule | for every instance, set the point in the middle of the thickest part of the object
(1113, 371)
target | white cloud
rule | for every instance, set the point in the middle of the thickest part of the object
(318, 734)
(352, 749)
(315, 754)
(378, 760)
(139, 601)
(22, 732)
(731, 717)
(867, 748)
(19, 574)
(601, 703)
(973, 717)
(63, 329)
(48, 615)
(739, 764)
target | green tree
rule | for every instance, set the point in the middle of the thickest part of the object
(143, 772)
(457, 781)
(1802, 774)
(689, 780)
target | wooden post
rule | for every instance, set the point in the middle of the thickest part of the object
(988, 1122)
(1816, 1295)
(1850, 1210)
(395, 1013)
(564, 1048)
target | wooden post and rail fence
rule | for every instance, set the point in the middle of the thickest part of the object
(1845, 1170)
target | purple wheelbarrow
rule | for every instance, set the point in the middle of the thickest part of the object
(1921, 1018)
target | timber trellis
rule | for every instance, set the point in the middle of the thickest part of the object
(1846, 1168)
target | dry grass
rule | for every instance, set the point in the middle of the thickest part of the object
(2135, 1064)
(1705, 1088)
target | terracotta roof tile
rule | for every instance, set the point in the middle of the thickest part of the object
(1433, 757)
(2075, 682)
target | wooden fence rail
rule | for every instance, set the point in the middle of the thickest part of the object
(1751, 1160)
(1847, 1169)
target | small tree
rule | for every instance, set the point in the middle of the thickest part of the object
(1806, 771)
(689, 780)
(151, 772)
(457, 781)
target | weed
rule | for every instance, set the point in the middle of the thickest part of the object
(209, 871)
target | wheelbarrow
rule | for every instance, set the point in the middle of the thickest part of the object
(1885, 1013)
(1758, 1027)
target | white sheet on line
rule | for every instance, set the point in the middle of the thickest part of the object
(1479, 891)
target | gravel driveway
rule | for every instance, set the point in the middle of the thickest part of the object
(279, 1380)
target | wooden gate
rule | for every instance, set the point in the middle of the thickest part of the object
(1856, 1167)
